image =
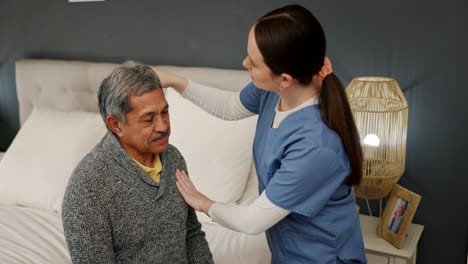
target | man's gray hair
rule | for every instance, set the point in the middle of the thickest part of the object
(129, 79)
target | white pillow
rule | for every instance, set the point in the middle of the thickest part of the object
(218, 153)
(35, 169)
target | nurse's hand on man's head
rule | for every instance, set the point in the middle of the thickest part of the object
(164, 76)
(169, 79)
(192, 196)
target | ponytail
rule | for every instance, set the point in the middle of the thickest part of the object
(336, 113)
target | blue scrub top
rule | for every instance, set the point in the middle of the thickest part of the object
(303, 168)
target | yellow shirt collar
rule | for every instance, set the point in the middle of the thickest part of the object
(155, 172)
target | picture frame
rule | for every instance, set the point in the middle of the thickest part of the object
(398, 215)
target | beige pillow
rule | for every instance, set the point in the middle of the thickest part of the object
(218, 153)
(36, 167)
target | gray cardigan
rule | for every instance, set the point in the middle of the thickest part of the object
(113, 212)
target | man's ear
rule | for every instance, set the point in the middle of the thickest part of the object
(286, 81)
(114, 125)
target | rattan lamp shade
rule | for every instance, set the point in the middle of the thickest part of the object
(381, 115)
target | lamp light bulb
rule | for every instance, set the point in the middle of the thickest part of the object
(372, 140)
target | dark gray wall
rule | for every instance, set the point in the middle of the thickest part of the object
(423, 44)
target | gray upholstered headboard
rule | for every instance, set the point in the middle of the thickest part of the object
(73, 85)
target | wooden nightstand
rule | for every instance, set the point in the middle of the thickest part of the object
(379, 251)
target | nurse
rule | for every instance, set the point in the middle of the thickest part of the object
(306, 148)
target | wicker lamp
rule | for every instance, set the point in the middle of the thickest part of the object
(381, 115)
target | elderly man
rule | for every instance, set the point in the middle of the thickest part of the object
(395, 222)
(122, 204)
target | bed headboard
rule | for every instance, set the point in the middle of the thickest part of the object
(73, 85)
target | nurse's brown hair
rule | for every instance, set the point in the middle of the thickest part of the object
(292, 41)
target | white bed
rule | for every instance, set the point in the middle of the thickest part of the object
(60, 123)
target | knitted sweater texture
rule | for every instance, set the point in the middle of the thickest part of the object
(114, 213)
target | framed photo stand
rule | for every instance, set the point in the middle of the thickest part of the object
(398, 215)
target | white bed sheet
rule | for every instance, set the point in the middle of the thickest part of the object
(231, 247)
(30, 235)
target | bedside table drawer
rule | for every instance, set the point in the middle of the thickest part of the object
(379, 250)
(374, 258)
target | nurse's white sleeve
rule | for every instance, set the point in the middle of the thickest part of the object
(251, 219)
(220, 103)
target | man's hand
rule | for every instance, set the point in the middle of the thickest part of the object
(192, 196)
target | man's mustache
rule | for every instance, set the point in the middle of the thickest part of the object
(161, 135)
